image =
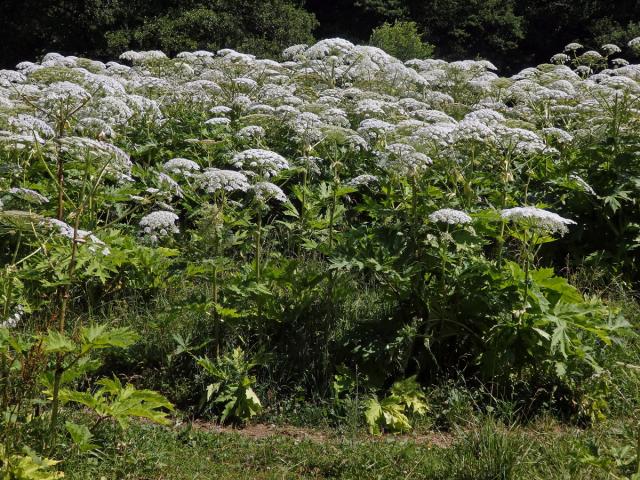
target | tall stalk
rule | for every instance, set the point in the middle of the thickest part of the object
(258, 253)
(525, 246)
(64, 303)
(414, 211)
(218, 220)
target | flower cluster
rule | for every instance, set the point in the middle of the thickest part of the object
(29, 195)
(13, 319)
(449, 216)
(78, 235)
(266, 191)
(213, 180)
(181, 166)
(159, 224)
(363, 180)
(263, 162)
(537, 218)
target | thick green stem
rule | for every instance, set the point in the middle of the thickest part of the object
(64, 303)
(60, 179)
(258, 245)
(638, 450)
(414, 211)
(216, 251)
(501, 243)
(525, 241)
(258, 249)
(304, 197)
(332, 212)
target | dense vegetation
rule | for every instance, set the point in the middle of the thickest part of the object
(374, 243)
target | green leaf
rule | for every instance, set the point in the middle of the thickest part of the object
(409, 393)
(81, 436)
(372, 415)
(100, 336)
(394, 417)
(542, 333)
(560, 340)
(122, 402)
(56, 342)
(83, 398)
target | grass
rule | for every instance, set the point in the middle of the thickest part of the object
(486, 450)
(298, 439)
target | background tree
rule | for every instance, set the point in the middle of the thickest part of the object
(106, 28)
(402, 40)
(511, 33)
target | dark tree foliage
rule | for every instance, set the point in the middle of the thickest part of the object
(511, 33)
(105, 28)
(550, 24)
(402, 40)
(261, 27)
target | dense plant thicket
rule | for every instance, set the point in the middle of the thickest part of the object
(338, 222)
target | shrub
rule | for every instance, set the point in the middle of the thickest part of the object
(402, 40)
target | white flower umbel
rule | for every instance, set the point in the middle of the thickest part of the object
(13, 319)
(213, 180)
(634, 43)
(15, 141)
(619, 62)
(572, 47)
(118, 162)
(294, 52)
(169, 186)
(450, 216)
(405, 160)
(263, 162)
(372, 128)
(221, 110)
(266, 191)
(311, 164)
(80, 236)
(94, 127)
(560, 58)
(591, 56)
(29, 195)
(62, 98)
(251, 132)
(610, 48)
(362, 180)
(181, 166)
(27, 124)
(159, 224)
(307, 126)
(218, 121)
(537, 218)
(141, 57)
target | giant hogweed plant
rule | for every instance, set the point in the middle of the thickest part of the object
(50, 254)
(281, 189)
